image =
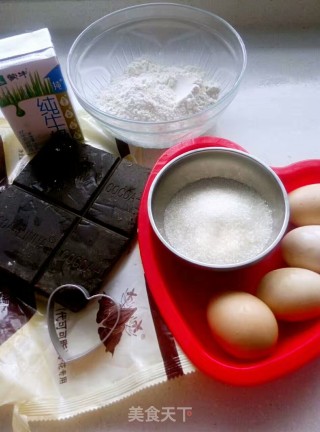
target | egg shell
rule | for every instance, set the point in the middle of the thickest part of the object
(301, 247)
(305, 205)
(242, 324)
(293, 294)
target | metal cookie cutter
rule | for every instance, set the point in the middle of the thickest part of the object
(51, 322)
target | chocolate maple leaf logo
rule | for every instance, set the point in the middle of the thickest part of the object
(106, 317)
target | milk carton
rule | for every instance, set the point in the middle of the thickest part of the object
(33, 93)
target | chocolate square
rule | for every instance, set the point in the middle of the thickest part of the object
(30, 229)
(66, 172)
(118, 203)
(84, 258)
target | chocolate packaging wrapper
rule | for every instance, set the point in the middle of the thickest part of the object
(140, 352)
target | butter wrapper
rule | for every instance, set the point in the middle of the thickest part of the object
(33, 93)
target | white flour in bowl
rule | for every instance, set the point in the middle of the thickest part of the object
(151, 92)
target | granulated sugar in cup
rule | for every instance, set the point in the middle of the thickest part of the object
(218, 208)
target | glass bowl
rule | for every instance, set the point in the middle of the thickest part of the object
(167, 34)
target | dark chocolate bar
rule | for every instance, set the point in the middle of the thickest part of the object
(30, 229)
(84, 257)
(68, 217)
(67, 173)
(118, 203)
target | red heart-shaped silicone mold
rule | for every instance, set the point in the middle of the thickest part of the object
(182, 291)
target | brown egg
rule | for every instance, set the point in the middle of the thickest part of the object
(301, 247)
(293, 294)
(305, 205)
(242, 324)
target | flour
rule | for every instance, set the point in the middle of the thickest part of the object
(153, 93)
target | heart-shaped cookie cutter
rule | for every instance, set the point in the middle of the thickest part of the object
(61, 351)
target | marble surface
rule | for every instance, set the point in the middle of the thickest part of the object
(275, 116)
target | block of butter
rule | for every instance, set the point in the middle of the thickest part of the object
(33, 92)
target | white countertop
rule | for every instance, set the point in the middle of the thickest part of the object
(275, 116)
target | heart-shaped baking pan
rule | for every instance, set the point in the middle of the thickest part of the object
(182, 291)
(76, 334)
